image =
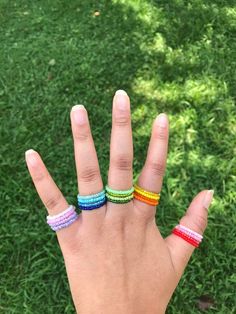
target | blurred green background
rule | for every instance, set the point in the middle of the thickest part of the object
(177, 57)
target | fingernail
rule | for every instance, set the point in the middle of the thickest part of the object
(162, 120)
(121, 99)
(208, 199)
(121, 92)
(79, 114)
(31, 157)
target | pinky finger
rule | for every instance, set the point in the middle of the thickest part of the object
(195, 219)
(49, 193)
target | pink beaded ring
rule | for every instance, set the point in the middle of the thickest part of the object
(63, 219)
(188, 235)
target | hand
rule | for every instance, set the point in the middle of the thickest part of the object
(115, 257)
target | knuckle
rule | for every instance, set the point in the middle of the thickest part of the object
(53, 202)
(121, 121)
(115, 225)
(73, 247)
(161, 133)
(81, 135)
(157, 168)
(39, 177)
(144, 216)
(200, 222)
(89, 174)
(122, 162)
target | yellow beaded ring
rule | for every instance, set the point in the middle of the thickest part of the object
(142, 195)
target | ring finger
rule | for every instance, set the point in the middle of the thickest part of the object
(151, 176)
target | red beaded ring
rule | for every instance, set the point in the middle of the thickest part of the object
(188, 235)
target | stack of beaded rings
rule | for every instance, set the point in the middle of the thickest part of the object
(62, 220)
(149, 198)
(93, 201)
(188, 235)
(119, 196)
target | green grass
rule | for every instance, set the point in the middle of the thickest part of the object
(177, 57)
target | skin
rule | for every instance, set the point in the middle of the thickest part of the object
(116, 259)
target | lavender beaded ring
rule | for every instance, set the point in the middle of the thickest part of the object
(62, 220)
(93, 201)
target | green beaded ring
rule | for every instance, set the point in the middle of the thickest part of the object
(119, 192)
(119, 196)
(119, 199)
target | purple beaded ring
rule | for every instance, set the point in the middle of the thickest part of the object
(62, 220)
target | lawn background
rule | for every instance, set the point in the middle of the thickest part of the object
(175, 56)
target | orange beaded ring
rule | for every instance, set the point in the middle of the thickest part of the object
(149, 198)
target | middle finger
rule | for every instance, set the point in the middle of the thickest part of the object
(88, 172)
(120, 176)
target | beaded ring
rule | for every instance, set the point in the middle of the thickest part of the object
(63, 219)
(119, 196)
(147, 197)
(93, 201)
(188, 235)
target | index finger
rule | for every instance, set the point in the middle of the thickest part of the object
(50, 194)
